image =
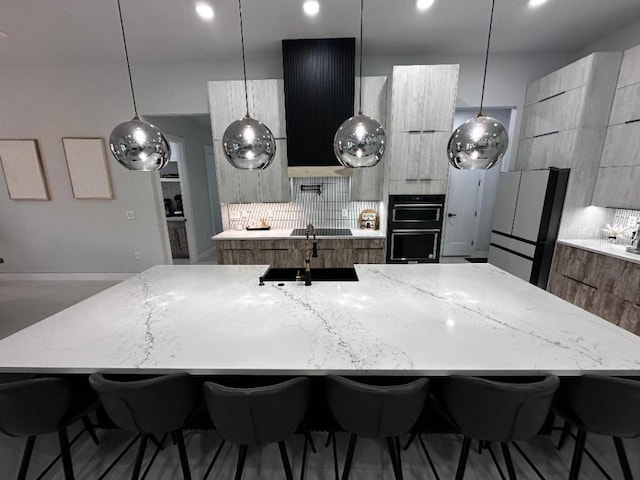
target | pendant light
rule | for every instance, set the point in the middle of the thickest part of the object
(247, 143)
(360, 141)
(479, 143)
(137, 144)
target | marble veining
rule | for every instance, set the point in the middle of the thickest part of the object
(397, 320)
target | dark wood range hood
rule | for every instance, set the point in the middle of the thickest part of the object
(319, 84)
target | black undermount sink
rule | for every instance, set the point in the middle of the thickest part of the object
(317, 274)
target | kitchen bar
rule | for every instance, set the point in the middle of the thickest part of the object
(400, 320)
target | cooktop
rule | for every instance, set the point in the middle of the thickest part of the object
(322, 232)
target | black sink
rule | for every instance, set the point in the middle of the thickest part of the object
(317, 274)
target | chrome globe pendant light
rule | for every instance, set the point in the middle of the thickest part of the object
(247, 143)
(479, 143)
(137, 144)
(360, 141)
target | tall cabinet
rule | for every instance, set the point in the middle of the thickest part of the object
(266, 103)
(564, 125)
(421, 105)
(618, 183)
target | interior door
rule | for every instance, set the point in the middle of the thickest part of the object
(460, 218)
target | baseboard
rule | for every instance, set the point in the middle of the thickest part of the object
(207, 255)
(64, 276)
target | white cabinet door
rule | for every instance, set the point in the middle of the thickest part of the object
(630, 70)
(531, 96)
(434, 163)
(226, 175)
(567, 78)
(514, 264)
(553, 150)
(441, 86)
(267, 105)
(626, 105)
(530, 204)
(408, 97)
(226, 104)
(559, 113)
(274, 184)
(506, 199)
(617, 187)
(621, 146)
(404, 158)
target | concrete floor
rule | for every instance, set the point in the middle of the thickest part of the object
(25, 302)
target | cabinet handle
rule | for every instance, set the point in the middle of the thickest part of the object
(452, 214)
(633, 121)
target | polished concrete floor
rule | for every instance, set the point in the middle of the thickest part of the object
(23, 303)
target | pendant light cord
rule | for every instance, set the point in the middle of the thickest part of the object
(360, 89)
(126, 54)
(244, 64)
(486, 58)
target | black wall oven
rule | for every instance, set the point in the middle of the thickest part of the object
(414, 228)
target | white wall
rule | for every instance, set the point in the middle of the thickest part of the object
(67, 235)
(621, 39)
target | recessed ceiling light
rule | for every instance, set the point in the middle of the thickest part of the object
(311, 7)
(204, 10)
(4, 35)
(536, 3)
(424, 4)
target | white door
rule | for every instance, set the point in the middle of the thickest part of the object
(462, 210)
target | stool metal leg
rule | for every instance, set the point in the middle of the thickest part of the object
(242, 455)
(213, 461)
(139, 457)
(398, 454)
(393, 453)
(622, 456)
(26, 457)
(426, 452)
(412, 437)
(577, 455)
(86, 421)
(347, 463)
(182, 451)
(464, 456)
(508, 460)
(335, 455)
(566, 429)
(285, 460)
(65, 451)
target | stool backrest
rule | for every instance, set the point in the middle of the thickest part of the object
(499, 411)
(257, 415)
(154, 405)
(606, 405)
(33, 407)
(373, 411)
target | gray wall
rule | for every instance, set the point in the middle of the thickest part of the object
(195, 136)
(621, 39)
(67, 235)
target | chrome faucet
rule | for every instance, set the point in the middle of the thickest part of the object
(311, 252)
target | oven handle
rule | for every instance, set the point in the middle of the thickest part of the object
(415, 230)
(438, 205)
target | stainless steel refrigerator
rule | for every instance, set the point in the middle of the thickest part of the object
(526, 222)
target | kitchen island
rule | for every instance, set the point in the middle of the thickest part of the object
(396, 320)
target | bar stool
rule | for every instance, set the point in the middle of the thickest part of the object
(602, 405)
(150, 407)
(257, 416)
(374, 411)
(45, 405)
(496, 411)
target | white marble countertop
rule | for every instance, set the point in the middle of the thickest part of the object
(275, 234)
(604, 248)
(398, 319)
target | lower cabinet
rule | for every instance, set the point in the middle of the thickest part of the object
(178, 239)
(603, 285)
(291, 253)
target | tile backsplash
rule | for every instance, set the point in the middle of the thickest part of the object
(317, 200)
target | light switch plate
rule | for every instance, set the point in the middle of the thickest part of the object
(131, 215)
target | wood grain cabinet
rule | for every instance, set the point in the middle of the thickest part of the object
(619, 174)
(605, 286)
(178, 239)
(290, 253)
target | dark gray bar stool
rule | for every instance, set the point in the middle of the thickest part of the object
(150, 407)
(602, 405)
(29, 408)
(497, 411)
(257, 416)
(373, 411)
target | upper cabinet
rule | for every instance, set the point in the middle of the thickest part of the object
(266, 103)
(619, 172)
(422, 105)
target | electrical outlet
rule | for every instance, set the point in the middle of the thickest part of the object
(137, 255)
(131, 215)
(345, 212)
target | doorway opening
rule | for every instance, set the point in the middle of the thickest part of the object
(187, 196)
(471, 197)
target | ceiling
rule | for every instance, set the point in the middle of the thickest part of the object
(86, 31)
